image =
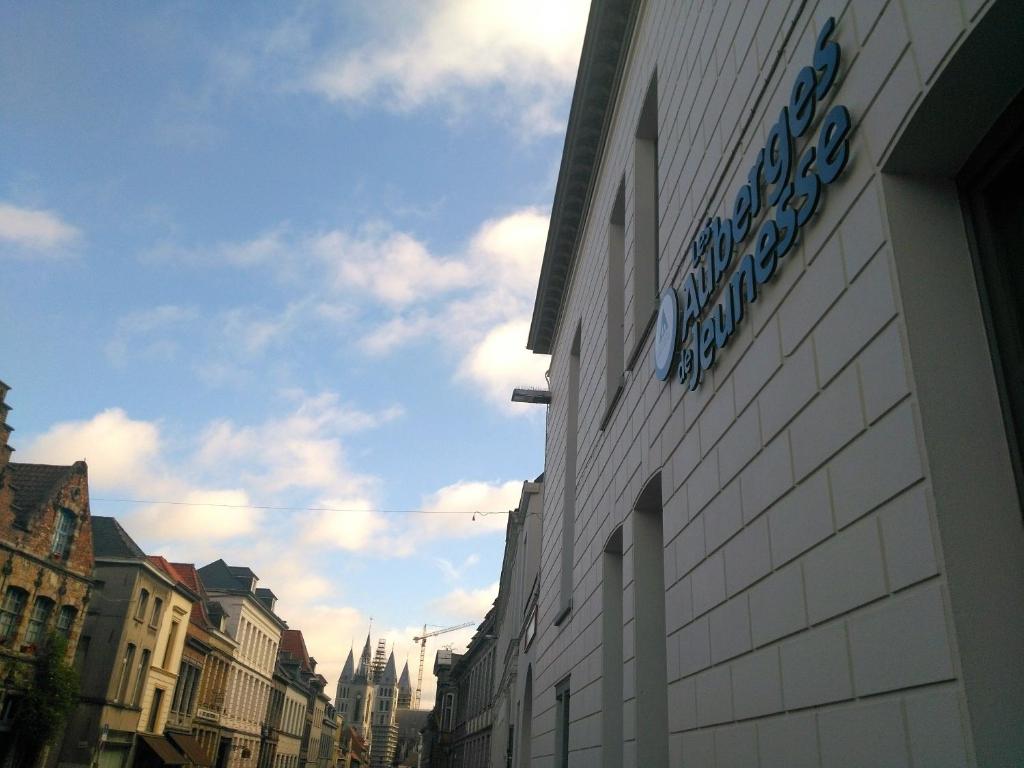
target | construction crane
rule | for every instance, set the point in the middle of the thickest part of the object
(422, 640)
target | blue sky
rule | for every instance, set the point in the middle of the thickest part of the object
(270, 255)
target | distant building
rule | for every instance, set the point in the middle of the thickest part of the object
(194, 717)
(410, 723)
(252, 623)
(129, 656)
(369, 697)
(473, 676)
(438, 731)
(291, 700)
(46, 563)
(515, 628)
(305, 682)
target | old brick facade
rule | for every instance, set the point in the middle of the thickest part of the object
(46, 561)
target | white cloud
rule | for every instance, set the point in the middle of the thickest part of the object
(523, 55)
(489, 501)
(392, 267)
(35, 230)
(352, 525)
(486, 321)
(223, 469)
(388, 289)
(501, 361)
(206, 513)
(465, 604)
(122, 452)
(308, 452)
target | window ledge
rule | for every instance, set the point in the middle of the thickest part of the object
(610, 410)
(641, 341)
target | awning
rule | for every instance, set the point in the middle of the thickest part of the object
(191, 748)
(163, 749)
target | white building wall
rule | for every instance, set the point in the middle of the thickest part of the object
(807, 606)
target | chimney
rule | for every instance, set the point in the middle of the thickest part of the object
(5, 431)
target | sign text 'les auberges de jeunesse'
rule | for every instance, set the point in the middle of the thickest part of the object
(778, 180)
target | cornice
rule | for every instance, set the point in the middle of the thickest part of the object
(609, 29)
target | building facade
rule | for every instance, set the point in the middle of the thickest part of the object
(253, 625)
(472, 675)
(516, 628)
(200, 692)
(45, 577)
(128, 659)
(782, 296)
(438, 731)
(292, 700)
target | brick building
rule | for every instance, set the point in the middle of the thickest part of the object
(782, 292)
(45, 575)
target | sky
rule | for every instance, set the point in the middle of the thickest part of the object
(285, 255)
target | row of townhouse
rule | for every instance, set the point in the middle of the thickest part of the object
(482, 713)
(192, 666)
(176, 665)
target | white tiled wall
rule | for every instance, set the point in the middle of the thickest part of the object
(807, 617)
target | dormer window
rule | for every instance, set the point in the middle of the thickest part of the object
(61, 545)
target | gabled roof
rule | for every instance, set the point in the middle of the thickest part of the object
(109, 539)
(35, 484)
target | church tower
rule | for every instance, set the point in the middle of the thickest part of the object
(385, 727)
(355, 696)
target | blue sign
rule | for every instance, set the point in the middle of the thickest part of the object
(778, 181)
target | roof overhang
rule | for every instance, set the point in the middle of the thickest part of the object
(609, 28)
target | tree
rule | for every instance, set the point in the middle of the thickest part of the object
(52, 694)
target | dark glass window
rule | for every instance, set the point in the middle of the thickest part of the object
(10, 611)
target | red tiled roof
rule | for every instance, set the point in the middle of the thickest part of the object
(161, 563)
(188, 576)
(293, 642)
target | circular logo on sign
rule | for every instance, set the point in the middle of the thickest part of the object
(665, 333)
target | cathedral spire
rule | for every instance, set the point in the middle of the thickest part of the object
(403, 681)
(364, 660)
(349, 670)
(390, 676)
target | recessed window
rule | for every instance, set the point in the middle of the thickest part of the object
(562, 725)
(616, 339)
(140, 677)
(646, 278)
(64, 530)
(140, 610)
(41, 610)
(66, 619)
(569, 494)
(172, 638)
(126, 671)
(158, 606)
(10, 613)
